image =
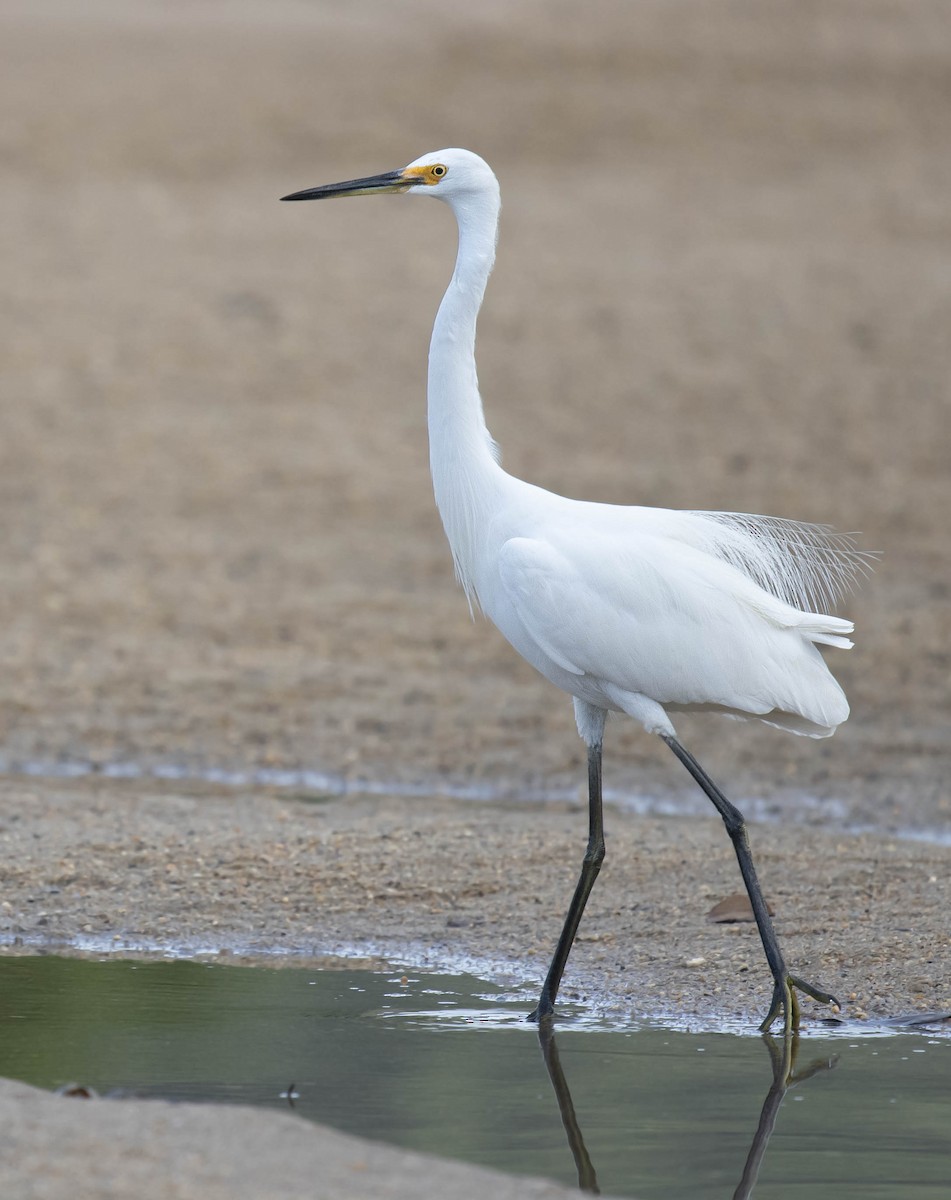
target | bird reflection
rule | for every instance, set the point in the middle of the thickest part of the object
(783, 1059)
(587, 1177)
(782, 1055)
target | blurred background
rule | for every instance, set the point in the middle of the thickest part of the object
(724, 281)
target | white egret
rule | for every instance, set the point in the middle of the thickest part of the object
(643, 611)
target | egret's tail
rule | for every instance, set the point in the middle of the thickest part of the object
(827, 631)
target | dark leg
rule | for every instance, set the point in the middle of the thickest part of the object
(593, 858)
(784, 995)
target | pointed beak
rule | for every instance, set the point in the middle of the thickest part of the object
(389, 181)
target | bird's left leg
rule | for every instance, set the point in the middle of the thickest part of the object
(591, 727)
(784, 991)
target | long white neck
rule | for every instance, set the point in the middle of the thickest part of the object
(462, 456)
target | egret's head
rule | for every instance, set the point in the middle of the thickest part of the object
(446, 174)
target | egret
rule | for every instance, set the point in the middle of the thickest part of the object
(643, 611)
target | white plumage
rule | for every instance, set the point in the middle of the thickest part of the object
(637, 610)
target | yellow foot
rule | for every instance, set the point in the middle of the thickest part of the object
(785, 999)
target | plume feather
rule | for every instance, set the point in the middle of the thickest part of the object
(811, 567)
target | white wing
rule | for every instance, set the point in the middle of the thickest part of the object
(810, 567)
(661, 618)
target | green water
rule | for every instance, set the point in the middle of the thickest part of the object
(448, 1065)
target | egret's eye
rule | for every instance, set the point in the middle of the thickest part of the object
(438, 171)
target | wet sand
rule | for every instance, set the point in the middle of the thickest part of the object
(453, 884)
(724, 282)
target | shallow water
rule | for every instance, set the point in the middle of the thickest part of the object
(448, 1065)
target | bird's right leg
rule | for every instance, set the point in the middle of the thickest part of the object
(594, 856)
(785, 985)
